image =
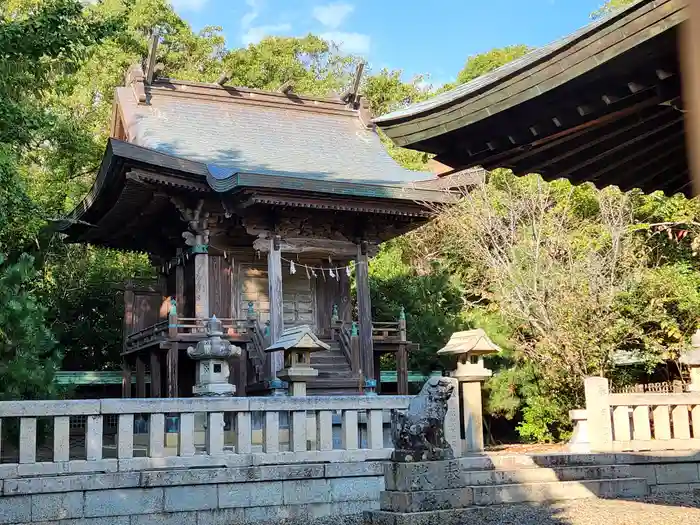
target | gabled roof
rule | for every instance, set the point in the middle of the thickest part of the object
(236, 130)
(301, 337)
(470, 341)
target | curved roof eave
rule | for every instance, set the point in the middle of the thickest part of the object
(485, 82)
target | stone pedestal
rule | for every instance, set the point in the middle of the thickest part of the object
(471, 378)
(470, 347)
(423, 493)
(297, 378)
(579, 443)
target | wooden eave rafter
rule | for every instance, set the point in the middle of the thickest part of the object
(321, 202)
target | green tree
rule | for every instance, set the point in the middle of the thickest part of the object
(29, 356)
(386, 92)
(433, 303)
(610, 6)
(484, 63)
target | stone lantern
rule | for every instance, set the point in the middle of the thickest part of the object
(470, 347)
(297, 342)
(212, 356)
(692, 360)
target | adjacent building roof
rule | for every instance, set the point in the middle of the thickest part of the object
(602, 104)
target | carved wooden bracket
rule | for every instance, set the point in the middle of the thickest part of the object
(197, 222)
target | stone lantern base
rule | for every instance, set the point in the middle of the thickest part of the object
(212, 378)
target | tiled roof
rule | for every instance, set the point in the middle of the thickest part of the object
(241, 131)
(465, 91)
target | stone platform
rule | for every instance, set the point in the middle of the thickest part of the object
(452, 492)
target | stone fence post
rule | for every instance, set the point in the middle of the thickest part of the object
(598, 411)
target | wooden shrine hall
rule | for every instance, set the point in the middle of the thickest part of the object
(615, 103)
(256, 207)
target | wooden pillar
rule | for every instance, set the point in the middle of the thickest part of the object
(180, 283)
(201, 284)
(140, 377)
(171, 373)
(126, 378)
(402, 370)
(378, 372)
(274, 279)
(364, 306)
(155, 374)
(355, 353)
(128, 325)
(239, 372)
(690, 74)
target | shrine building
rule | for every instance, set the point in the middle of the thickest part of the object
(256, 207)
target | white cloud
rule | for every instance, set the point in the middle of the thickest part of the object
(355, 43)
(251, 15)
(257, 33)
(332, 15)
(188, 5)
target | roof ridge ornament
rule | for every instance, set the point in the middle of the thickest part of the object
(351, 96)
(136, 80)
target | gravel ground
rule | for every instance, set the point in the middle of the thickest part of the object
(675, 509)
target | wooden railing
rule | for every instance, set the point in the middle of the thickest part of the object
(154, 332)
(175, 327)
(258, 344)
(660, 388)
(641, 422)
(349, 343)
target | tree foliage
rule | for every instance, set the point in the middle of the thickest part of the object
(561, 277)
(610, 6)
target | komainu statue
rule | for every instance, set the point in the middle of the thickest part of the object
(418, 433)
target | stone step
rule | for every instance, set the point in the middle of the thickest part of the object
(456, 498)
(559, 491)
(512, 462)
(539, 475)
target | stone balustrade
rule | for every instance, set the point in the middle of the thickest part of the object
(197, 460)
(640, 422)
(201, 438)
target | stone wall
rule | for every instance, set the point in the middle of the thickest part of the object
(311, 494)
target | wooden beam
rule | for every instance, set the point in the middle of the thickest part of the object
(274, 281)
(690, 67)
(613, 150)
(563, 136)
(587, 142)
(643, 149)
(364, 307)
(652, 160)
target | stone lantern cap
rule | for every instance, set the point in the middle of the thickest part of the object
(298, 338)
(471, 342)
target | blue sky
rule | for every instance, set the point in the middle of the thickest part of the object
(432, 37)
